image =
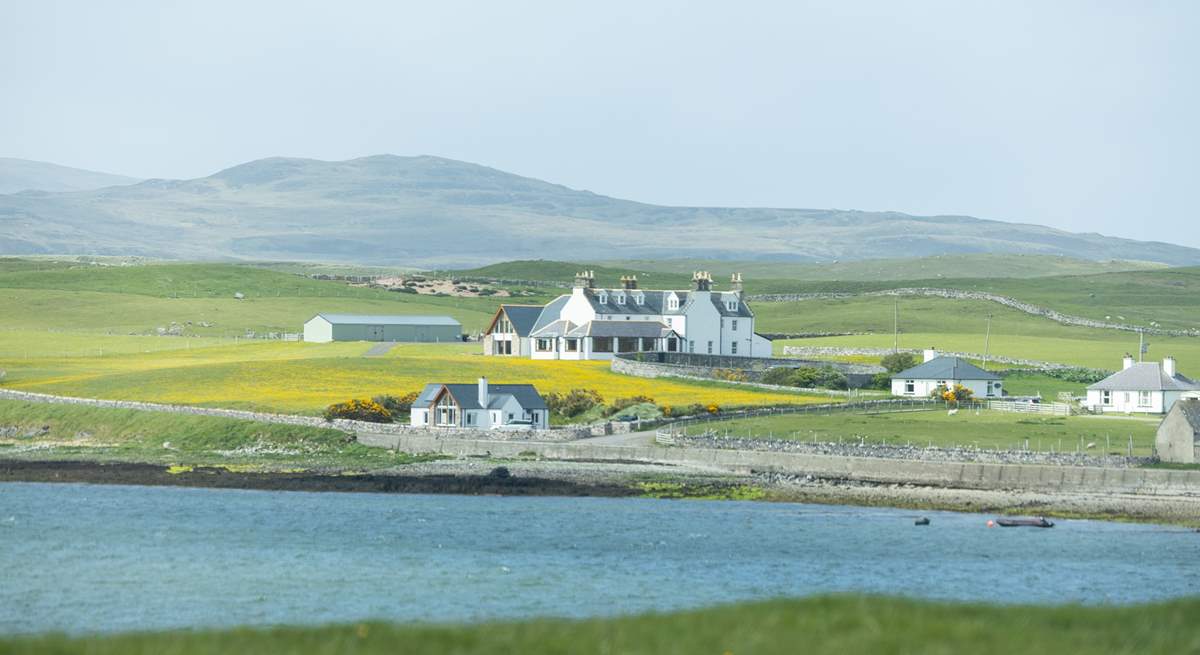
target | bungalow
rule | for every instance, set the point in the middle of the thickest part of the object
(940, 371)
(480, 406)
(1178, 438)
(1142, 387)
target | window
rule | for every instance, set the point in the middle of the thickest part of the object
(602, 344)
(673, 303)
(447, 411)
(640, 299)
(669, 323)
(545, 345)
(571, 345)
(733, 347)
(691, 345)
(710, 347)
(1105, 397)
(734, 324)
(1125, 397)
(732, 305)
(603, 297)
(1143, 399)
(672, 345)
(626, 344)
(910, 386)
(510, 417)
(620, 298)
(470, 418)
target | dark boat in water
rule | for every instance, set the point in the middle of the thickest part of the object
(1025, 523)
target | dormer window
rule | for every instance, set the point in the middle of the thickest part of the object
(640, 299)
(732, 305)
(620, 298)
(603, 298)
(673, 302)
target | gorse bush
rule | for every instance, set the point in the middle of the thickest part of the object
(730, 375)
(825, 377)
(573, 403)
(358, 410)
(397, 404)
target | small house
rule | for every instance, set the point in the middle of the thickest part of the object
(1178, 438)
(1141, 387)
(480, 406)
(324, 328)
(937, 371)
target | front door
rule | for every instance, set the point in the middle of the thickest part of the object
(374, 333)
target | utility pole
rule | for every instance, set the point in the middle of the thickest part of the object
(1141, 344)
(987, 338)
(896, 327)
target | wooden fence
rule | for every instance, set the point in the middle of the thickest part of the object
(1054, 409)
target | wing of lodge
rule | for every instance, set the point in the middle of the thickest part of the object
(591, 323)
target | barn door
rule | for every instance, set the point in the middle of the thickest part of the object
(375, 333)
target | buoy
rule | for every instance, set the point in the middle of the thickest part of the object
(991, 523)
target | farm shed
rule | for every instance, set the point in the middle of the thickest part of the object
(1178, 438)
(324, 328)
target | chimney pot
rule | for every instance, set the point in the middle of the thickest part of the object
(930, 353)
(1127, 361)
(1169, 366)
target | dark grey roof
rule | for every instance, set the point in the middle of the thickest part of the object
(947, 368)
(467, 395)
(369, 319)
(654, 303)
(550, 313)
(1190, 408)
(1145, 376)
(523, 317)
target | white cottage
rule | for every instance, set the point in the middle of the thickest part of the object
(1140, 387)
(480, 406)
(939, 371)
(592, 323)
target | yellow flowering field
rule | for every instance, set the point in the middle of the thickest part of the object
(305, 377)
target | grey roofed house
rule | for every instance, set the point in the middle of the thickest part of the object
(654, 303)
(1145, 376)
(324, 328)
(946, 368)
(645, 329)
(467, 395)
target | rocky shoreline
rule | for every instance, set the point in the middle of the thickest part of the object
(540, 477)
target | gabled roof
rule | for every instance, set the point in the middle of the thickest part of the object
(1190, 408)
(629, 329)
(1145, 376)
(946, 368)
(371, 319)
(467, 395)
(522, 317)
(654, 303)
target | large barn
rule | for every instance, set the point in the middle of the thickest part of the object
(324, 328)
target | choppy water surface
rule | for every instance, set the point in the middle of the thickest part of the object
(104, 558)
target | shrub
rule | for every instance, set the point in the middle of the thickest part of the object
(397, 404)
(959, 394)
(666, 410)
(624, 403)
(896, 362)
(730, 374)
(825, 377)
(881, 381)
(713, 408)
(695, 409)
(358, 410)
(574, 402)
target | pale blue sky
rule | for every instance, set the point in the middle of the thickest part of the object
(1079, 115)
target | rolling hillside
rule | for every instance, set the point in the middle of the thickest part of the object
(18, 175)
(434, 212)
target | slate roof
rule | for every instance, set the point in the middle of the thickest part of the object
(467, 395)
(946, 368)
(522, 317)
(550, 312)
(654, 303)
(1190, 408)
(647, 329)
(1145, 376)
(370, 319)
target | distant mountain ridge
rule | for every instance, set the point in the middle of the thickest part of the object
(436, 212)
(17, 175)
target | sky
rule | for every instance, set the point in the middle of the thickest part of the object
(1077, 115)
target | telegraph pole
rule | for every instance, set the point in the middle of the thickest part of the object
(987, 338)
(896, 327)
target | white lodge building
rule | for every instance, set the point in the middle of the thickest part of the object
(593, 323)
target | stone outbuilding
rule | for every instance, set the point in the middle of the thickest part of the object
(1178, 438)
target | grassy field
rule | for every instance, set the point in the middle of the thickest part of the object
(961, 326)
(838, 624)
(983, 429)
(65, 432)
(306, 377)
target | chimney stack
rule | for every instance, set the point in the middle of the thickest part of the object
(629, 281)
(484, 397)
(1126, 361)
(585, 280)
(931, 354)
(701, 281)
(1169, 366)
(735, 283)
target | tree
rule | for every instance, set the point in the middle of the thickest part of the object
(896, 362)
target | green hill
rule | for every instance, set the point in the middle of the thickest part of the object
(18, 175)
(435, 212)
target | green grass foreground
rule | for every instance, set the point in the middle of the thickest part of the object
(837, 624)
(970, 428)
(71, 432)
